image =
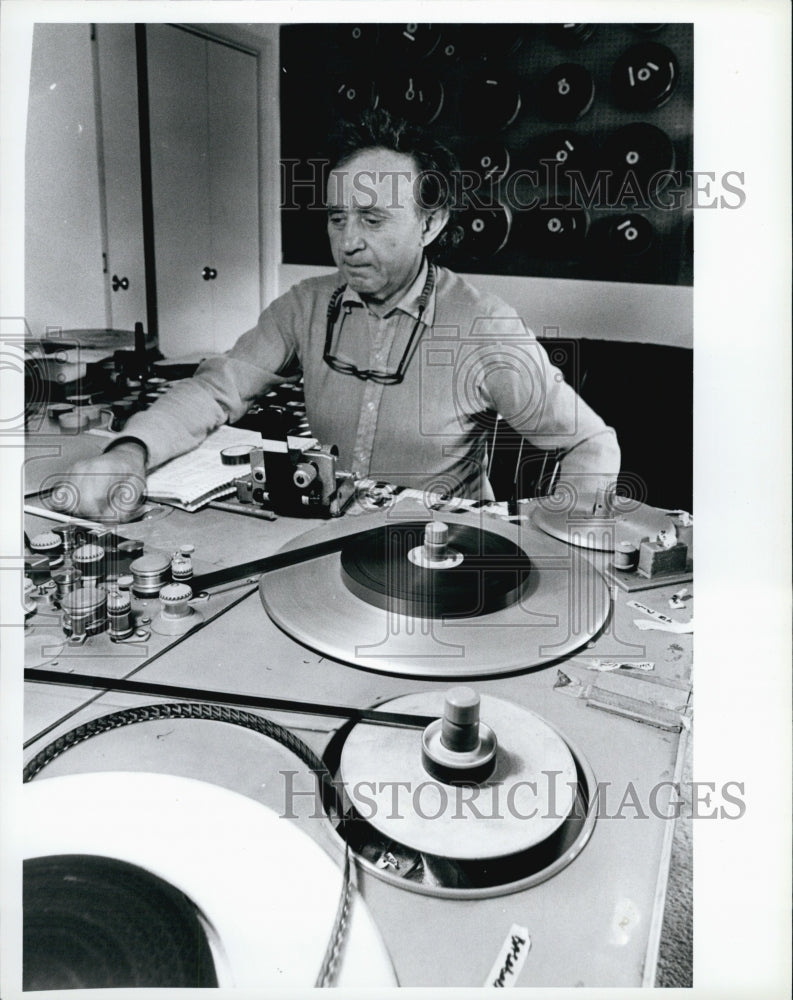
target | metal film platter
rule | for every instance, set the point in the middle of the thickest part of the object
(585, 528)
(589, 532)
(557, 606)
(621, 518)
(529, 818)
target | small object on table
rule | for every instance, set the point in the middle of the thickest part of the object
(656, 557)
(119, 614)
(74, 420)
(84, 611)
(176, 616)
(90, 561)
(626, 557)
(66, 580)
(242, 507)
(237, 454)
(150, 573)
(677, 599)
(244, 488)
(49, 544)
(56, 411)
(182, 564)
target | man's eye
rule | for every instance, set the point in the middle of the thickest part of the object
(336, 220)
(372, 221)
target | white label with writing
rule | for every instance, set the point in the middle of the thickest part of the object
(651, 612)
(511, 957)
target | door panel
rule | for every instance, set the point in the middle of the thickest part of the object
(234, 192)
(177, 67)
(203, 100)
(120, 149)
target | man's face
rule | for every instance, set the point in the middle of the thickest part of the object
(377, 231)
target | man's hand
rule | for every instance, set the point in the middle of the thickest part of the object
(109, 487)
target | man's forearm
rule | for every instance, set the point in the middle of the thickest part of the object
(130, 446)
(592, 464)
(176, 423)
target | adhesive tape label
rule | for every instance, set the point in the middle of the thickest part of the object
(511, 957)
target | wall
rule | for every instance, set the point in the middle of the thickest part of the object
(64, 283)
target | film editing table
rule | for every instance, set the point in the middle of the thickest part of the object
(505, 821)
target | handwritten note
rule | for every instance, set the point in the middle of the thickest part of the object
(511, 957)
(651, 612)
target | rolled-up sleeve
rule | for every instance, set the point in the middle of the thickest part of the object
(223, 387)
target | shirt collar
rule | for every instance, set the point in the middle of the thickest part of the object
(409, 303)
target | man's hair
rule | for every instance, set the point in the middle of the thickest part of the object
(437, 165)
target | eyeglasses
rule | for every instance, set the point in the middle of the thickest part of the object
(371, 374)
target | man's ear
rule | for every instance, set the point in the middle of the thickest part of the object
(433, 225)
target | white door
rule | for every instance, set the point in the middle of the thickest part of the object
(204, 155)
(119, 143)
(233, 192)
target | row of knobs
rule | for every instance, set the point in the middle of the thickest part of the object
(642, 79)
(448, 43)
(563, 232)
(93, 599)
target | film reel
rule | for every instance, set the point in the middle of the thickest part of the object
(550, 603)
(526, 820)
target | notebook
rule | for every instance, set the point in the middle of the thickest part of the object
(191, 481)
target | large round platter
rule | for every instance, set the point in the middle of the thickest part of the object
(523, 802)
(629, 520)
(585, 532)
(562, 605)
(265, 893)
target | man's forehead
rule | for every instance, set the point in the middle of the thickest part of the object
(382, 179)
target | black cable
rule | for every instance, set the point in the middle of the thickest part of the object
(188, 710)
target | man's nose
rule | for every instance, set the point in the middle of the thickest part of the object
(352, 237)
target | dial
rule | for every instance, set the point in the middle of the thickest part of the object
(489, 101)
(561, 153)
(357, 39)
(353, 94)
(413, 94)
(556, 230)
(495, 41)
(415, 41)
(489, 160)
(638, 154)
(645, 76)
(567, 92)
(486, 230)
(630, 235)
(451, 46)
(570, 35)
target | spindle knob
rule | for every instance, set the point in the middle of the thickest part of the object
(436, 538)
(458, 748)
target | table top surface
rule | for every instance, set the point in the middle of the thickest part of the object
(595, 923)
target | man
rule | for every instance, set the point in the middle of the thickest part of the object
(404, 363)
